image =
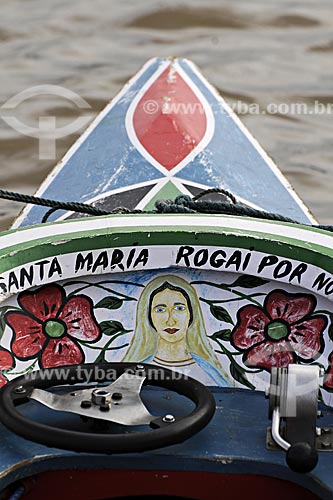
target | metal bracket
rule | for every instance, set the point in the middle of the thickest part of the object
(323, 442)
(119, 402)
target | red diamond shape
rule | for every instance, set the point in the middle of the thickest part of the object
(169, 120)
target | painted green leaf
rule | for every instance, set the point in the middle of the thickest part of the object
(3, 310)
(110, 303)
(247, 281)
(101, 357)
(2, 325)
(239, 375)
(222, 335)
(112, 327)
(221, 314)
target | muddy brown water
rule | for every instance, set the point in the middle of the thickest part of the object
(263, 57)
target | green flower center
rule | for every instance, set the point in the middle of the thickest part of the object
(54, 328)
(277, 330)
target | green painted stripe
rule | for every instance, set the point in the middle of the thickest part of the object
(164, 215)
(215, 230)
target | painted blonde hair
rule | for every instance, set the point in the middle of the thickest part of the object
(145, 339)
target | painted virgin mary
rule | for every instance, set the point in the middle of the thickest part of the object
(170, 329)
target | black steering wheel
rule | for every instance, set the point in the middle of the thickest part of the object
(118, 402)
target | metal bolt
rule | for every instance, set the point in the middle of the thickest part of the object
(117, 396)
(20, 389)
(85, 404)
(326, 430)
(326, 445)
(318, 431)
(168, 419)
(319, 413)
(99, 396)
(104, 407)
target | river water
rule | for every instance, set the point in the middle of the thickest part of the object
(264, 57)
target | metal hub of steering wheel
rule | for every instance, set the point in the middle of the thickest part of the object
(118, 402)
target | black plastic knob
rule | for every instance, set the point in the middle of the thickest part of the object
(302, 457)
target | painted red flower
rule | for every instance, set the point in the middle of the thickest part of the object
(50, 325)
(6, 362)
(280, 333)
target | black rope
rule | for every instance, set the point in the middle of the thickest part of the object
(48, 214)
(215, 190)
(214, 207)
(182, 204)
(186, 204)
(62, 205)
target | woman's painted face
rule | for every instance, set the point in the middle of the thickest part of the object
(170, 315)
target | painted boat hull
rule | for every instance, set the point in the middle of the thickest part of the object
(168, 106)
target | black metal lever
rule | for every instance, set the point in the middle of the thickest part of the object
(293, 408)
